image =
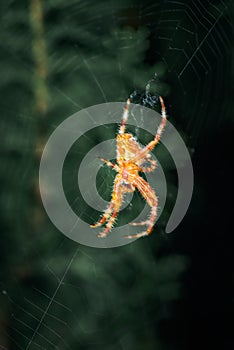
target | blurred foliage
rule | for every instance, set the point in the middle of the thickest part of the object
(55, 293)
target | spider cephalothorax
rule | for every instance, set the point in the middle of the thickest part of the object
(131, 158)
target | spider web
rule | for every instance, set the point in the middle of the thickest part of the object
(55, 293)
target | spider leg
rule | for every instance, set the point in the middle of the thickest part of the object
(109, 224)
(124, 117)
(105, 216)
(150, 168)
(112, 165)
(109, 209)
(141, 223)
(107, 213)
(148, 148)
(148, 193)
(118, 194)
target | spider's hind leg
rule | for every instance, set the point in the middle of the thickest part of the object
(149, 195)
(105, 216)
(140, 223)
(118, 195)
(111, 212)
(149, 222)
(107, 213)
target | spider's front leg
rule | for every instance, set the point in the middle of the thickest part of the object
(148, 148)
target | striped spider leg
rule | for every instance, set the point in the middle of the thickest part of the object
(131, 157)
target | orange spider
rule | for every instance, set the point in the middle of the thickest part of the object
(130, 158)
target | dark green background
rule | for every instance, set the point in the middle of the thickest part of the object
(161, 292)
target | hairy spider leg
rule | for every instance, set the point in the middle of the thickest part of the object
(124, 117)
(117, 197)
(108, 211)
(148, 148)
(150, 168)
(148, 193)
(112, 165)
(121, 189)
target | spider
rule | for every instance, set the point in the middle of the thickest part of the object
(131, 159)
